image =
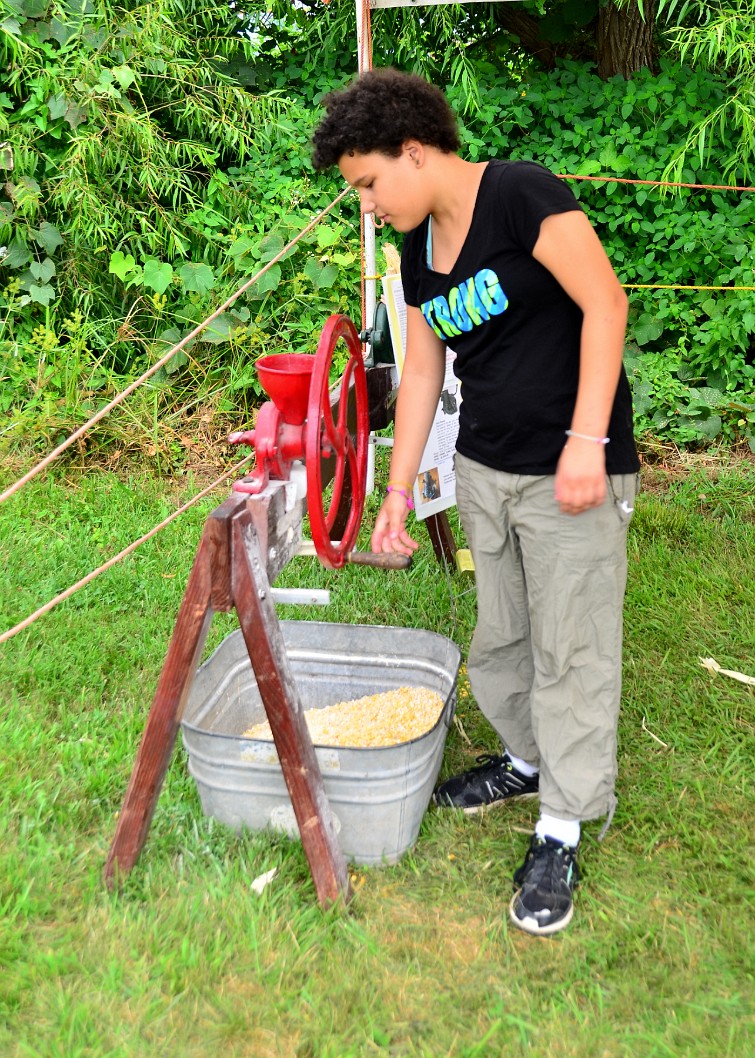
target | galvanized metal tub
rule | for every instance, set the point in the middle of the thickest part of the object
(378, 795)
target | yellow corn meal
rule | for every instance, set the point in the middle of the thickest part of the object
(384, 719)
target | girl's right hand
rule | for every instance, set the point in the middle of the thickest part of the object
(390, 532)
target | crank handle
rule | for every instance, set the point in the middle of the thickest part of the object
(392, 560)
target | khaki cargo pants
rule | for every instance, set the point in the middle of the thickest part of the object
(545, 659)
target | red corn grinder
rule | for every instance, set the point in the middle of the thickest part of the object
(326, 427)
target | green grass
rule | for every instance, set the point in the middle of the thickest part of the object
(188, 961)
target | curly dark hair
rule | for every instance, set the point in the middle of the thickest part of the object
(379, 111)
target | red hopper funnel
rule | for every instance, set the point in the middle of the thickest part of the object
(286, 378)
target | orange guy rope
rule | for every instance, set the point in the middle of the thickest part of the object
(164, 359)
(676, 286)
(121, 554)
(655, 183)
(654, 286)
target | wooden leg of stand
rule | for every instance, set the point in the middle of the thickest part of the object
(164, 717)
(442, 537)
(264, 641)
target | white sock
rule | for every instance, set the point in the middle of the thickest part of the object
(528, 770)
(564, 830)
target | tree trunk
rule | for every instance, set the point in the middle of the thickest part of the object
(624, 39)
(526, 30)
(618, 41)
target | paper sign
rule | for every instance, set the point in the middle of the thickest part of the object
(435, 486)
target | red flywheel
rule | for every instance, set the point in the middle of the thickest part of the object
(336, 440)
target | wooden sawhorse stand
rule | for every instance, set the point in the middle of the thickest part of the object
(245, 544)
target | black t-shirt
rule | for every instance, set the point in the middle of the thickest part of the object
(514, 329)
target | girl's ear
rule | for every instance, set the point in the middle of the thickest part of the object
(414, 150)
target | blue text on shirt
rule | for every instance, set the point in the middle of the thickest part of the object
(469, 304)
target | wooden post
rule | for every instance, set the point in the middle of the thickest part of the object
(245, 543)
(442, 538)
(161, 728)
(277, 687)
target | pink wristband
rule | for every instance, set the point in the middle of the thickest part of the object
(403, 492)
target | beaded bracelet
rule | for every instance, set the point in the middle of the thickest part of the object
(402, 492)
(587, 437)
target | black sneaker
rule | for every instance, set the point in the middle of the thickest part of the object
(544, 884)
(494, 780)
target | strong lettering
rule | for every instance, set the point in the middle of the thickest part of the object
(469, 304)
(490, 291)
(444, 318)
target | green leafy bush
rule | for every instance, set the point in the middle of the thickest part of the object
(142, 178)
(155, 157)
(692, 346)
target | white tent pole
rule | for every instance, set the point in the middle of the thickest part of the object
(370, 284)
(370, 266)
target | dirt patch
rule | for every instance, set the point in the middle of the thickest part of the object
(664, 463)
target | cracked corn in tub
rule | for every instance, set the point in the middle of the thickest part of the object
(385, 719)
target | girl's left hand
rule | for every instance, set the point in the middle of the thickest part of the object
(581, 476)
(390, 532)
